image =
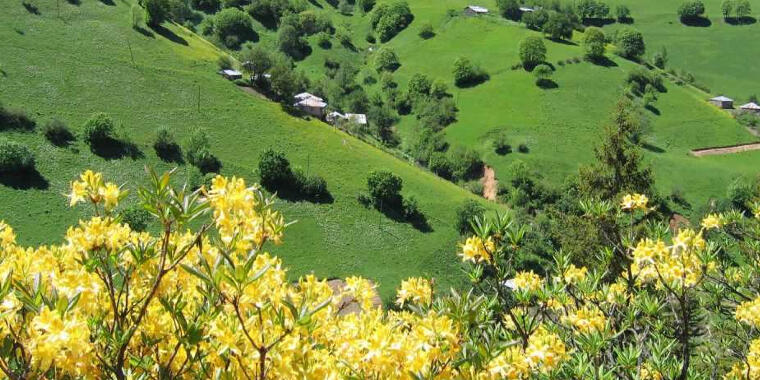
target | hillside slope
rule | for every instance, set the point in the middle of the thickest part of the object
(81, 63)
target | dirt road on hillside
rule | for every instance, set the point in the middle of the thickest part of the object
(490, 185)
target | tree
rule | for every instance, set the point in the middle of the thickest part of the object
(743, 10)
(466, 214)
(15, 157)
(99, 128)
(465, 73)
(274, 171)
(691, 10)
(661, 58)
(558, 27)
(727, 8)
(440, 165)
(198, 151)
(385, 188)
(509, 9)
(256, 61)
(623, 13)
(156, 12)
(386, 60)
(387, 20)
(232, 22)
(535, 20)
(593, 43)
(543, 73)
(419, 85)
(532, 51)
(426, 31)
(290, 42)
(630, 43)
(285, 81)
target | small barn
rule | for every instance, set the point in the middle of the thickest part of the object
(474, 10)
(357, 118)
(310, 104)
(750, 107)
(231, 74)
(334, 116)
(526, 9)
(723, 102)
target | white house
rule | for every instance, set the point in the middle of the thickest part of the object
(526, 9)
(357, 118)
(310, 104)
(750, 107)
(473, 10)
(723, 102)
(231, 74)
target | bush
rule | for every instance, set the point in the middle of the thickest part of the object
(15, 157)
(224, 62)
(98, 129)
(15, 119)
(387, 20)
(535, 20)
(559, 26)
(594, 41)
(426, 31)
(232, 26)
(137, 218)
(623, 13)
(410, 209)
(466, 73)
(748, 119)
(466, 213)
(57, 132)
(509, 9)
(323, 40)
(660, 58)
(532, 52)
(543, 73)
(466, 163)
(475, 187)
(630, 43)
(310, 186)
(691, 10)
(386, 60)
(164, 142)
(198, 153)
(385, 188)
(440, 165)
(501, 145)
(156, 11)
(523, 148)
(275, 172)
(137, 16)
(290, 42)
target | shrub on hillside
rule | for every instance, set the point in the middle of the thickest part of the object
(594, 41)
(386, 60)
(623, 13)
(274, 171)
(630, 43)
(198, 152)
(426, 31)
(440, 165)
(384, 188)
(509, 9)
(466, 213)
(166, 146)
(535, 20)
(136, 217)
(310, 186)
(466, 163)
(558, 26)
(99, 129)
(523, 148)
(232, 26)
(156, 12)
(501, 144)
(467, 74)
(532, 51)
(15, 119)
(290, 42)
(57, 132)
(691, 10)
(15, 157)
(323, 40)
(543, 74)
(389, 19)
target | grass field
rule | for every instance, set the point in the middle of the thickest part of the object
(562, 125)
(80, 63)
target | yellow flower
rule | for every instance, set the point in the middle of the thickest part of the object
(416, 290)
(648, 373)
(713, 221)
(110, 194)
(527, 281)
(476, 250)
(634, 202)
(586, 319)
(749, 312)
(574, 275)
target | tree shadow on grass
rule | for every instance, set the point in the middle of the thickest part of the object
(478, 79)
(31, 8)
(652, 148)
(604, 62)
(701, 22)
(749, 20)
(74, 2)
(172, 153)
(598, 22)
(144, 32)
(295, 196)
(418, 221)
(169, 35)
(24, 180)
(547, 84)
(651, 108)
(108, 2)
(112, 149)
(316, 3)
(626, 20)
(561, 41)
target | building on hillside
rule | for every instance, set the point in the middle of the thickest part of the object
(356, 118)
(526, 9)
(334, 116)
(750, 107)
(310, 104)
(474, 10)
(231, 74)
(723, 102)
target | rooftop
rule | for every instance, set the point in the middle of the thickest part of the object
(722, 99)
(750, 106)
(477, 9)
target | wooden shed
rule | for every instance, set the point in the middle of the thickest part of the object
(723, 102)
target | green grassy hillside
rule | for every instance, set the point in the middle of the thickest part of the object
(80, 63)
(562, 125)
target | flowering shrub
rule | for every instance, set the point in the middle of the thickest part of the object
(202, 298)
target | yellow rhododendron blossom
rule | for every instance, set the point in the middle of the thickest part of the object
(476, 250)
(416, 290)
(585, 320)
(634, 202)
(749, 312)
(574, 275)
(527, 281)
(713, 221)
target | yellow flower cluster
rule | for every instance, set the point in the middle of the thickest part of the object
(527, 281)
(90, 187)
(634, 202)
(587, 319)
(713, 221)
(416, 290)
(678, 265)
(750, 369)
(477, 250)
(544, 353)
(574, 275)
(749, 312)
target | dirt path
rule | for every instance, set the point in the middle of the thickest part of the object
(252, 91)
(489, 183)
(725, 149)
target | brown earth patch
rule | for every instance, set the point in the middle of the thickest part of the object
(725, 149)
(490, 184)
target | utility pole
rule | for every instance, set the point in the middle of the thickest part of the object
(308, 161)
(129, 45)
(199, 98)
